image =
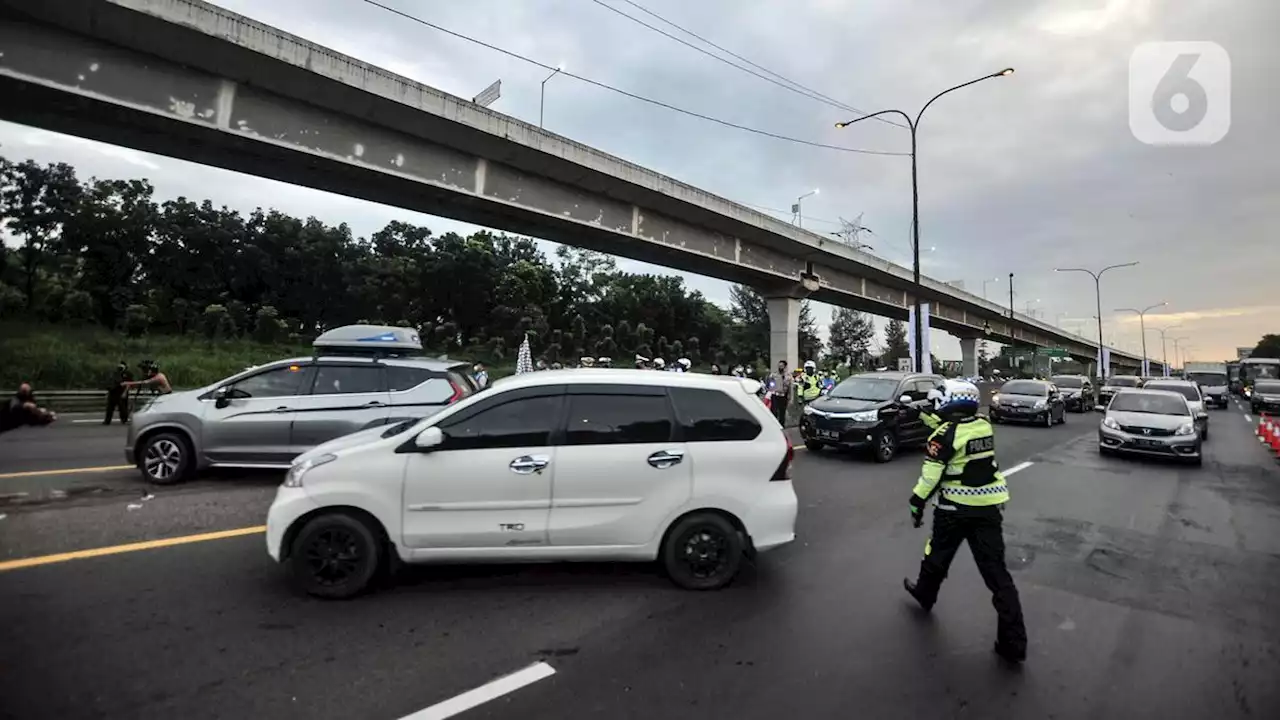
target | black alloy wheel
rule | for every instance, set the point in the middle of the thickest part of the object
(335, 556)
(703, 552)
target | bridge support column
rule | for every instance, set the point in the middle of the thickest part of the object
(784, 331)
(968, 357)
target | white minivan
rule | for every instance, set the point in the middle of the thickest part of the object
(687, 469)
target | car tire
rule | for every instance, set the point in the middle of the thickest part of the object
(1062, 419)
(1104, 451)
(703, 551)
(165, 458)
(886, 446)
(996, 419)
(1197, 461)
(1204, 437)
(813, 445)
(1048, 418)
(334, 556)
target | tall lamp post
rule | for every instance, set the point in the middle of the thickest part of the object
(1011, 301)
(795, 208)
(1142, 325)
(542, 100)
(1177, 357)
(913, 125)
(1097, 288)
(1164, 349)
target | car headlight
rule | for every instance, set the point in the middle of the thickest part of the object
(808, 410)
(1188, 429)
(865, 416)
(1042, 404)
(293, 478)
(1111, 423)
(995, 398)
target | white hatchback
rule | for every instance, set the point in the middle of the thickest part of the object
(687, 469)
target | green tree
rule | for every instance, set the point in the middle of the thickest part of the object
(217, 322)
(267, 327)
(606, 346)
(693, 349)
(136, 320)
(35, 202)
(895, 343)
(1267, 347)
(851, 334)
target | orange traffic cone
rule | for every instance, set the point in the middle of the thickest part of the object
(1261, 430)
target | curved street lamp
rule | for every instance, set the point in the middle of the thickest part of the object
(1142, 324)
(1097, 289)
(913, 125)
(1164, 350)
(542, 99)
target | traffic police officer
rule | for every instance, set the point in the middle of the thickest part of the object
(961, 468)
(808, 386)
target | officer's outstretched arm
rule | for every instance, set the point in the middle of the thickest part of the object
(930, 419)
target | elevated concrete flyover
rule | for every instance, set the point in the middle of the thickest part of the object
(194, 81)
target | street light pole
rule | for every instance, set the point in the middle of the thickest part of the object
(1097, 289)
(1010, 301)
(1164, 350)
(542, 101)
(795, 209)
(1142, 324)
(913, 125)
(984, 286)
(1176, 354)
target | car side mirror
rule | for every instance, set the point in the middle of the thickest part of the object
(905, 400)
(432, 437)
(222, 396)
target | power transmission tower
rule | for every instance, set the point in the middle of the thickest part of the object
(850, 233)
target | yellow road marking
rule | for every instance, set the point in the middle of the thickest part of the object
(797, 447)
(65, 471)
(131, 547)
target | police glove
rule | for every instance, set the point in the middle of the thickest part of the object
(917, 510)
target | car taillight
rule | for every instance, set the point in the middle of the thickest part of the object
(457, 393)
(784, 469)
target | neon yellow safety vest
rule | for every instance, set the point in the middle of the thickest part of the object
(961, 465)
(810, 388)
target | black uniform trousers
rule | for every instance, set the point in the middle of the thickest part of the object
(983, 528)
(117, 400)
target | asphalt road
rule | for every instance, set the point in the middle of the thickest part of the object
(1149, 590)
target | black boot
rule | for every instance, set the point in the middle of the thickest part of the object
(910, 587)
(1010, 653)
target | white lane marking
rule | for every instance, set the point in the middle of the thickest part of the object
(1248, 417)
(489, 691)
(1017, 468)
(77, 422)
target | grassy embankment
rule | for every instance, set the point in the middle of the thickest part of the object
(66, 357)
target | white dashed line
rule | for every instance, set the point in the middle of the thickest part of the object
(1017, 468)
(483, 694)
(1248, 418)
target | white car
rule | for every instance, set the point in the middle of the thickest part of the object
(615, 465)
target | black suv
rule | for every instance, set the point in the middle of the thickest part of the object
(875, 411)
(1115, 384)
(1265, 396)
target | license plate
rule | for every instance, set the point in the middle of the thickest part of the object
(827, 434)
(1149, 443)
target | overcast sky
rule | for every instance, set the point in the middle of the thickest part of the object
(1018, 174)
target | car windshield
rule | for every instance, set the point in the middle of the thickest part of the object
(1124, 381)
(1270, 387)
(1068, 382)
(1187, 391)
(1151, 403)
(865, 388)
(1208, 378)
(1024, 387)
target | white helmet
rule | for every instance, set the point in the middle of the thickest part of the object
(659, 362)
(956, 397)
(685, 362)
(810, 365)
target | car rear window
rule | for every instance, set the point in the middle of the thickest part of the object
(618, 419)
(1068, 382)
(400, 377)
(1022, 387)
(1189, 392)
(1148, 403)
(1124, 382)
(712, 416)
(1266, 387)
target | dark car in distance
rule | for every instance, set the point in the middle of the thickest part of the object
(1116, 383)
(1265, 396)
(1029, 401)
(878, 411)
(1077, 391)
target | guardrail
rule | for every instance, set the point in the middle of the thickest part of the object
(68, 401)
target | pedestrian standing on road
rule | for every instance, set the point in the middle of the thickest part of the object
(22, 409)
(117, 395)
(778, 387)
(156, 382)
(960, 466)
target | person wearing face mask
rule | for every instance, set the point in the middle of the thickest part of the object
(22, 409)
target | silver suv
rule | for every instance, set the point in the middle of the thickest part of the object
(268, 415)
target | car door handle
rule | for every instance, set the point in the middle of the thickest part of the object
(664, 459)
(282, 408)
(529, 464)
(374, 403)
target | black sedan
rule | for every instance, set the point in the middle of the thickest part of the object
(1077, 392)
(1028, 401)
